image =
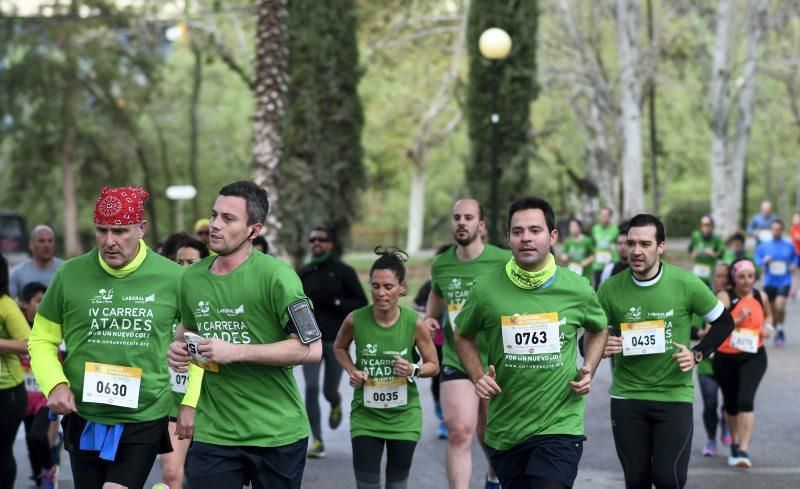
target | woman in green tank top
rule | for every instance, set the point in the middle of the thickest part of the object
(385, 409)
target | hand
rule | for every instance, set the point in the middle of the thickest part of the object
(218, 351)
(613, 346)
(685, 357)
(178, 356)
(486, 387)
(358, 377)
(583, 386)
(767, 259)
(402, 367)
(184, 427)
(61, 400)
(793, 291)
(433, 326)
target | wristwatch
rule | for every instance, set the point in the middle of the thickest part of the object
(415, 371)
(698, 357)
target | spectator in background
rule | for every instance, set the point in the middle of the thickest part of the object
(170, 246)
(759, 226)
(201, 231)
(41, 267)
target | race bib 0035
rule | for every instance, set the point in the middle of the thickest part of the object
(383, 394)
(745, 340)
(114, 385)
(531, 334)
(643, 338)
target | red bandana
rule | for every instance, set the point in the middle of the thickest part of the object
(120, 206)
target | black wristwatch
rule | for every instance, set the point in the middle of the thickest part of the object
(698, 356)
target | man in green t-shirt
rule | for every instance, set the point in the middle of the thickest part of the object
(114, 307)
(452, 275)
(705, 248)
(528, 313)
(649, 308)
(578, 250)
(255, 323)
(604, 235)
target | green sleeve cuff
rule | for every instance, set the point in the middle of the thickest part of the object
(193, 385)
(43, 348)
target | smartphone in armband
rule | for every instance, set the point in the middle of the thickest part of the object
(304, 324)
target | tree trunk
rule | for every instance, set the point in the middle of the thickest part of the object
(630, 95)
(197, 84)
(651, 112)
(416, 210)
(69, 186)
(270, 88)
(723, 206)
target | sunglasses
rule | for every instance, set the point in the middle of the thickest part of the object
(315, 239)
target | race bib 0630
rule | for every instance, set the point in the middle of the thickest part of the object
(643, 338)
(114, 385)
(531, 334)
(383, 394)
(745, 340)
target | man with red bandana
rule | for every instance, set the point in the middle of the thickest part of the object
(114, 307)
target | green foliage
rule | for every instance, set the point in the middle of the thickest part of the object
(684, 217)
(516, 91)
(321, 131)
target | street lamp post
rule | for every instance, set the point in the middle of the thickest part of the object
(494, 45)
(179, 193)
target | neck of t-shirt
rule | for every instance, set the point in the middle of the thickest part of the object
(647, 282)
(43, 265)
(386, 318)
(471, 251)
(225, 264)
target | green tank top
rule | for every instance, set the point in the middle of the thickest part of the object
(386, 406)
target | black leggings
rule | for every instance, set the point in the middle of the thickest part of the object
(330, 387)
(435, 379)
(738, 377)
(37, 437)
(367, 454)
(708, 389)
(13, 402)
(653, 441)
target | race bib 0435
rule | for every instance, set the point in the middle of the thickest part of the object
(643, 338)
(531, 334)
(114, 385)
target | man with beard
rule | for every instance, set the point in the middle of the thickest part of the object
(452, 275)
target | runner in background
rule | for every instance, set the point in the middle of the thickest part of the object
(578, 251)
(760, 224)
(705, 248)
(622, 252)
(735, 248)
(604, 235)
(385, 412)
(794, 232)
(776, 256)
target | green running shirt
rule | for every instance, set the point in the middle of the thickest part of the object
(452, 279)
(704, 264)
(668, 302)
(605, 250)
(376, 347)
(578, 250)
(536, 397)
(245, 404)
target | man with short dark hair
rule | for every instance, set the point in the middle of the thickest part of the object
(114, 307)
(256, 323)
(334, 289)
(649, 308)
(41, 267)
(528, 313)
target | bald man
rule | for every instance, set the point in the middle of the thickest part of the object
(42, 267)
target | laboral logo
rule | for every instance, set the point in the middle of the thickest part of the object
(230, 311)
(202, 308)
(634, 314)
(370, 349)
(661, 315)
(395, 353)
(103, 296)
(140, 299)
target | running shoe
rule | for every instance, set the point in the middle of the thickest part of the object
(780, 339)
(491, 485)
(48, 479)
(443, 433)
(743, 460)
(726, 438)
(710, 450)
(733, 458)
(335, 418)
(317, 449)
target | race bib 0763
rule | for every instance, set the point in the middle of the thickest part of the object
(383, 394)
(643, 338)
(114, 385)
(531, 334)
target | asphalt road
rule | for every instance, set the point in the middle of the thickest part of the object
(775, 450)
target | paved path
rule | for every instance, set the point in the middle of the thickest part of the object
(775, 450)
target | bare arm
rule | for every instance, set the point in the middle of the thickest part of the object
(341, 349)
(286, 353)
(430, 361)
(19, 347)
(468, 355)
(594, 344)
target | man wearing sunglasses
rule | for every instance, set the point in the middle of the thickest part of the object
(335, 291)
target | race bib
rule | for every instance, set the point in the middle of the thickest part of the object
(114, 385)
(602, 256)
(452, 312)
(178, 381)
(383, 394)
(643, 338)
(531, 334)
(778, 267)
(702, 270)
(576, 267)
(764, 235)
(745, 340)
(30, 381)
